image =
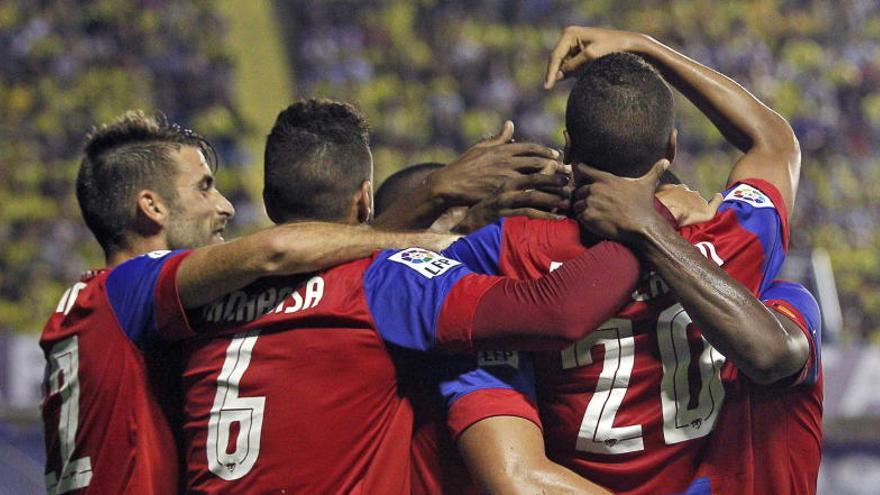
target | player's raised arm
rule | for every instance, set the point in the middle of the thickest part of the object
(772, 152)
(211, 271)
(477, 174)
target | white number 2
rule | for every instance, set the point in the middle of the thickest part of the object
(229, 409)
(680, 422)
(598, 433)
(62, 378)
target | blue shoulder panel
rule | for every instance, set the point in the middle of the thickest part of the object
(756, 213)
(700, 486)
(481, 250)
(805, 303)
(405, 293)
(131, 289)
(490, 370)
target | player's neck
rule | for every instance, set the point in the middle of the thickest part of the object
(135, 248)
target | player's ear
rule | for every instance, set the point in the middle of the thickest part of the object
(151, 214)
(364, 202)
(566, 152)
(672, 145)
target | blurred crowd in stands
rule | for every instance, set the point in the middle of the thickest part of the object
(64, 67)
(433, 76)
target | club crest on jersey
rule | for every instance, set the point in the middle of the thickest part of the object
(750, 195)
(158, 254)
(427, 263)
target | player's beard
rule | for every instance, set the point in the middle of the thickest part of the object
(188, 232)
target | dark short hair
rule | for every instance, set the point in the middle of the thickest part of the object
(317, 155)
(619, 116)
(400, 182)
(127, 155)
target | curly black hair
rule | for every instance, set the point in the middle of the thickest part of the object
(620, 115)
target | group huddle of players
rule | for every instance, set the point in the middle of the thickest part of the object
(600, 328)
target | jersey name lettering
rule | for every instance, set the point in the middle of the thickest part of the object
(240, 306)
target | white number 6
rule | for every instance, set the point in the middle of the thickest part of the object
(229, 408)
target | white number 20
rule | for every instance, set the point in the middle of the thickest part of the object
(63, 378)
(680, 422)
(229, 409)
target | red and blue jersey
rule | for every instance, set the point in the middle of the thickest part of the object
(769, 438)
(632, 405)
(303, 394)
(105, 428)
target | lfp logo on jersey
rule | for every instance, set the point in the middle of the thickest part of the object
(427, 263)
(750, 195)
(417, 256)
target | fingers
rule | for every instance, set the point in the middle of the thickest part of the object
(531, 213)
(581, 192)
(653, 175)
(503, 136)
(530, 149)
(591, 174)
(571, 64)
(715, 202)
(527, 164)
(532, 199)
(560, 51)
(550, 183)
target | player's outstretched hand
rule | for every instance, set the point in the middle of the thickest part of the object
(617, 208)
(578, 45)
(687, 206)
(487, 166)
(532, 195)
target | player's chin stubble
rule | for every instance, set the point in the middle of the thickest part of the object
(188, 233)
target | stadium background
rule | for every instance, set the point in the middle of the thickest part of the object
(432, 76)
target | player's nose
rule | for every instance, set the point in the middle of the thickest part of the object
(224, 207)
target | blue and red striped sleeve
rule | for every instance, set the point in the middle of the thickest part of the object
(502, 384)
(143, 295)
(423, 301)
(758, 210)
(796, 302)
(481, 250)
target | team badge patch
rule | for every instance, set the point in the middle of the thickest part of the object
(427, 263)
(750, 195)
(158, 254)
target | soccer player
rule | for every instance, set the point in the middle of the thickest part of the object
(305, 396)
(477, 174)
(773, 442)
(397, 184)
(146, 186)
(641, 395)
(535, 195)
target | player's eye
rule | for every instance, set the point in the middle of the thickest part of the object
(206, 184)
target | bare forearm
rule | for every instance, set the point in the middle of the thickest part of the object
(506, 456)
(286, 249)
(549, 477)
(729, 316)
(741, 117)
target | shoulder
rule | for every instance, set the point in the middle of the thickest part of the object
(796, 298)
